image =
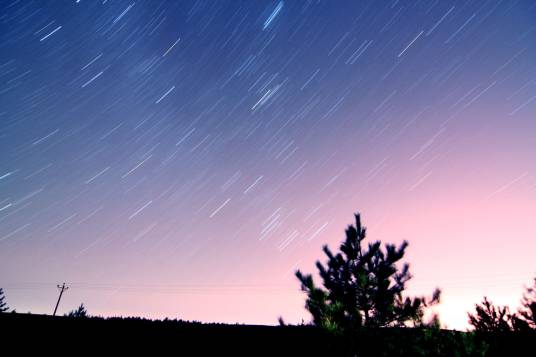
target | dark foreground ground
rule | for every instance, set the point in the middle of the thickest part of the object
(97, 336)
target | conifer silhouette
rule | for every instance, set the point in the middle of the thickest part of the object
(527, 311)
(80, 312)
(491, 318)
(3, 304)
(362, 287)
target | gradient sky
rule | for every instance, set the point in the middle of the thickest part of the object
(182, 158)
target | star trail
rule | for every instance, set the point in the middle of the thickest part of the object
(182, 158)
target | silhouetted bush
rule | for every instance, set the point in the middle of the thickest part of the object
(527, 311)
(80, 312)
(491, 318)
(3, 304)
(496, 319)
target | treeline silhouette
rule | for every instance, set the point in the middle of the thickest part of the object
(360, 309)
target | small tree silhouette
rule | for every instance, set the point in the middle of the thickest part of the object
(363, 287)
(81, 312)
(527, 312)
(491, 318)
(3, 304)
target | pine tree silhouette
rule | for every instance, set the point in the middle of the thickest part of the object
(527, 312)
(491, 318)
(363, 287)
(3, 304)
(80, 312)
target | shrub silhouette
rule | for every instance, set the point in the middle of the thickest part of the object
(491, 318)
(80, 312)
(496, 319)
(363, 287)
(527, 312)
(3, 304)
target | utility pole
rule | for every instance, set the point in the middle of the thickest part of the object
(63, 288)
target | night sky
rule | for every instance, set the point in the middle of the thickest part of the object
(182, 158)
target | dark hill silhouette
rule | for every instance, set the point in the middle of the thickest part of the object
(71, 335)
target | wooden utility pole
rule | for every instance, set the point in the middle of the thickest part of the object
(63, 288)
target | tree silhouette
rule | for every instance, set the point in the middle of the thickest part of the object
(491, 318)
(527, 312)
(3, 304)
(363, 287)
(81, 312)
